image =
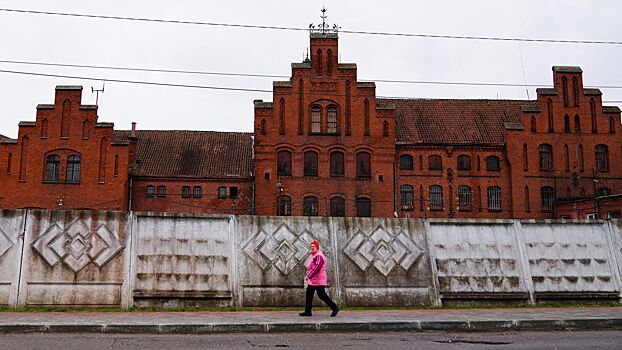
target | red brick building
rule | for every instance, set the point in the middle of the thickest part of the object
(327, 146)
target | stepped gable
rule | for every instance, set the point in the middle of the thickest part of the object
(454, 121)
(194, 154)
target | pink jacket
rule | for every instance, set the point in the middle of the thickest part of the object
(316, 269)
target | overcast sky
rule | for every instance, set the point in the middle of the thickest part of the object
(123, 43)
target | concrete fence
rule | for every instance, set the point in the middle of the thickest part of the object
(88, 258)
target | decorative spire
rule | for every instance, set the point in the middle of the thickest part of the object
(323, 28)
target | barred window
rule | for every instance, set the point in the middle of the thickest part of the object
(310, 166)
(310, 206)
(406, 162)
(331, 120)
(161, 192)
(336, 164)
(337, 206)
(284, 163)
(602, 158)
(316, 119)
(284, 207)
(464, 163)
(363, 207)
(150, 191)
(52, 168)
(547, 196)
(436, 197)
(465, 198)
(407, 197)
(494, 198)
(185, 192)
(197, 192)
(546, 157)
(492, 163)
(435, 162)
(73, 169)
(363, 164)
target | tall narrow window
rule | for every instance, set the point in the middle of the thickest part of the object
(73, 169)
(284, 207)
(337, 164)
(116, 165)
(329, 62)
(593, 115)
(525, 158)
(406, 162)
(566, 158)
(493, 164)
(566, 123)
(385, 129)
(577, 123)
(310, 163)
(575, 90)
(185, 192)
(363, 164)
(549, 105)
(533, 124)
(64, 120)
(150, 191)
(319, 62)
(464, 163)
(565, 90)
(262, 127)
(23, 159)
(337, 207)
(547, 197)
(102, 160)
(407, 197)
(546, 157)
(301, 108)
(310, 206)
(421, 199)
(284, 163)
(465, 198)
(161, 193)
(197, 192)
(282, 117)
(85, 129)
(602, 158)
(52, 168)
(363, 207)
(435, 162)
(436, 197)
(331, 120)
(494, 198)
(527, 202)
(612, 125)
(420, 162)
(316, 119)
(581, 162)
(348, 108)
(44, 128)
(9, 163)
(366, 131)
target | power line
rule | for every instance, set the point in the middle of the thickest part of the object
(249, 26)
(177, 71)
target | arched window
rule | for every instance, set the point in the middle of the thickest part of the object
(549, 105)
(547, 196)
(464, 163)
(525, 158)
(284, 207)
(73, 169)
(103, 155)
(282, 117)
(494, 198)
(406, 162)
(316, 119)
(85, 129)
(407, 197)
(527, 201)
(566, 158)
(612, 125)
(44, 128)
(593, 114)
(581, 162)
(577, 123)
(331, 120)
(64, 120)
(575, 89)
(363, 207)
(436, 197)
(363, 164)
(310, 166)
(533, 124)
(337, 206)
(492, 163)
(566, 123)
(262, 128)
(435, 162)
(546, 157)
(337, 164)
(329, 61)
(565, 90)
(319, 62)
(52, 168)
(385, 129)
(9, 163)
(366, 121)
(602, 158)
(309, 206)
(465, 198)
(284, 163)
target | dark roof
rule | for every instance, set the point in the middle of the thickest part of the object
(567, 69)
(5, 138)
(454, 121)
(196, 154)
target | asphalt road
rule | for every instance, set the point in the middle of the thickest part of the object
(429, 341)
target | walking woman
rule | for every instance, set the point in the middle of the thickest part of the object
(316, 281)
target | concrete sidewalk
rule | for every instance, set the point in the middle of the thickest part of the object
(476, 320)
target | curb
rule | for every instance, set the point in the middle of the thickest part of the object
(346, 327)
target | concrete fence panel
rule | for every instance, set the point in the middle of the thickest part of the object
(272, 257)
(615, 230)
(477, 260)
(569, 260)
(74, 258)
(11, 244)
(384, 262)
(182, 260)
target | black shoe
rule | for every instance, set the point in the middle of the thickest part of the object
(335, 312)
(304, 314)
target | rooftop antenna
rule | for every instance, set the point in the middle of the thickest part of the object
(520, 53)
(97, 93)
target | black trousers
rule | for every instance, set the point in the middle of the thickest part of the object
(321, 293)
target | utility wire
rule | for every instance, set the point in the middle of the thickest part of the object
(233, 25)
